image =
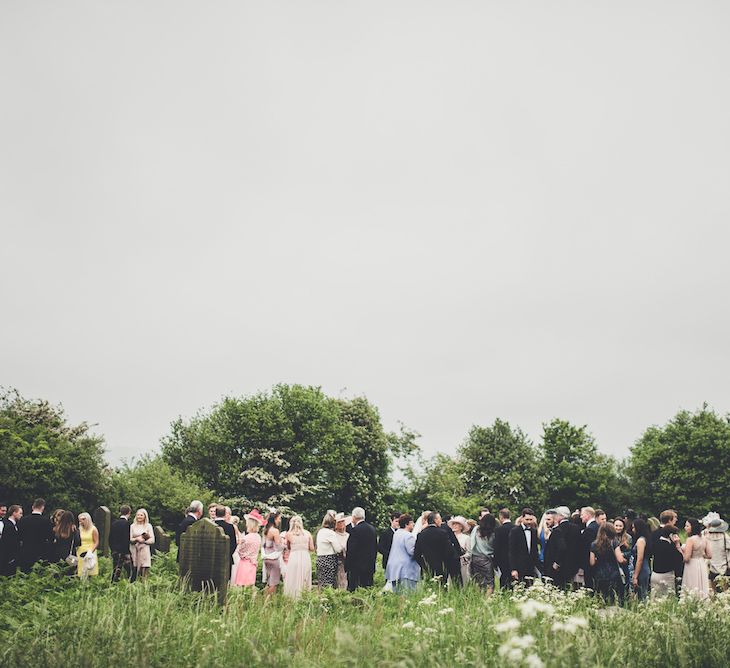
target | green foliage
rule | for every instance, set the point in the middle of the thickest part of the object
(685, 464)
(294, 448)
(576, 473)
(500, 465)
(44, 456)
(151, 483)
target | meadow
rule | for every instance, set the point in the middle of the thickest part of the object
(47, 619)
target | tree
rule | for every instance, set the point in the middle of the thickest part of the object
(43, 456)
(294, 448)
(684, 465)
(152, 484)
(576, 473)
(500, 465)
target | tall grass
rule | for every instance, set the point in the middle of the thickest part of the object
(51, 620)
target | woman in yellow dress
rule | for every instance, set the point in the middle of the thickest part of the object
(89, 543)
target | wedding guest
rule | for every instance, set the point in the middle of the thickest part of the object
(88, 564)
(119, 545)
(403, 571)
(385, 540)
(501, 548)
(193, 514)
(421, 522)
(66, 539)
(220, 520)
(522, 549)
(667, 554)
(543, 533)
(433, 549)
(248, 550)
(460, 527)
(10, 542)
(482, 553)
(329, 546)
(36, 537)
(695, 579)
(299, 569)
(719, 542)
(472, 524)
(600, 516)
(588, 537)
(626, 543)
(606, 558)
(361, 551)
(640, 556)
(212, 508)
(141, 537)
(341, 531)
(272, 552)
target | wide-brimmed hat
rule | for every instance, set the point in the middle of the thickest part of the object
(717, 525)
(255, 515)
(460, 520)
(339, 517)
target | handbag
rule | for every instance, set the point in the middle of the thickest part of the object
(71, 559)
(90, 561)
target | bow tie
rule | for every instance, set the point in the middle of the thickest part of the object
(526, 528)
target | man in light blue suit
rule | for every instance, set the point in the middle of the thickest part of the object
(403, 571)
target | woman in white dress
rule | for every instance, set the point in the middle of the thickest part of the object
(460, 527)
(299, 568)
(341, 523)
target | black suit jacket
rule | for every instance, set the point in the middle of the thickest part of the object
(501, 546)
(36, 538)
(230, 532)
(563, 548)
(9, 548)
(385, 542)
(587, 538)
(187, 521)
(433, 550)
(521, 559)
(119, 536)
(362, 548)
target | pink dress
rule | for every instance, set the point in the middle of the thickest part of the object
(695, 578)
(299, 569)
(248, 550)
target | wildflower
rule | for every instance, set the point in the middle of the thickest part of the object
(429, 600)
(578, 622)
(508, 625)
(428, 629)
(530, 608)
(408, 625)
(446, 611)
(534, 661)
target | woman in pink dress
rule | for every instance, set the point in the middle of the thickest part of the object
(299, 569)
(696, 575)
(248, 550)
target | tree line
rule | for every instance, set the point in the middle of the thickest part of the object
(297, 449)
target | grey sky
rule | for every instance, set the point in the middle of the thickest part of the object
(461, 210)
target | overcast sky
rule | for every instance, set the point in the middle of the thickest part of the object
(461, 210)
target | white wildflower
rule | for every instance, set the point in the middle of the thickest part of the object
(515, 654)
(429, 600)
(507, 625)
(408, 625)
(446, 611)
(428, 629)
(577, 622)
(534, 661)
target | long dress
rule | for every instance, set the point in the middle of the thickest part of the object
(465, 559)
(141, 553)
(341, 572)
(696, 579)
(248, 551)
(87, 543)
(299, 569)
(272, 567)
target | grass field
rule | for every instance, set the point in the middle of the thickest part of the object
(49, 620)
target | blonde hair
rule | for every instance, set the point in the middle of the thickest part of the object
(252, 525)
(86, 516)
(146, 516)
(296, 527)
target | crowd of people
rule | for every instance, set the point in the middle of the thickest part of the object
(630, 555)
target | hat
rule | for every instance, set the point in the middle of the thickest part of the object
(560, 510)
(717, 526)
(460, 520)
(255, 515)
(339, 517)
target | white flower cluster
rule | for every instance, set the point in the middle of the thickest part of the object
(507, 626)
(515, 651)
(532, 607)
(446, 611)
(571, 624)
(432, 599)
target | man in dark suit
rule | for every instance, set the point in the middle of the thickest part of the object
(433, 548)
(385, 540)
(220, 520)
(501, 548)
(194, 513)
(563, 549)
(119, 545)
(361, 551)
(453, 566)
(588, 537)
(10, 542)
(36, 537)
(522, 549)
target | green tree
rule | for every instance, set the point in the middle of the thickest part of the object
(500, 465)
(42, 455)
(151, 483)
(576, 473)
(294, 448)
(685, 464)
